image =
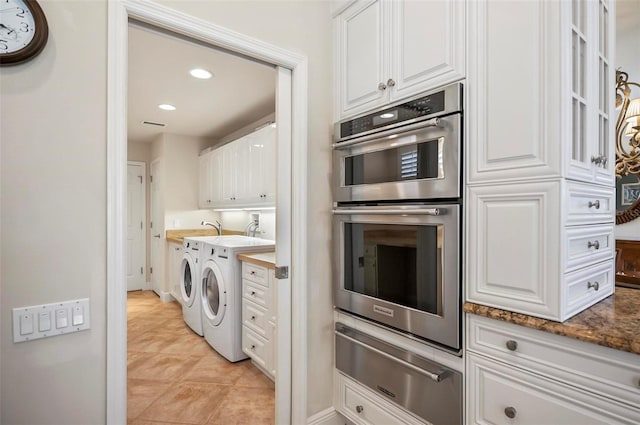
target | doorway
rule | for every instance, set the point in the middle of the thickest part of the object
(291, 205)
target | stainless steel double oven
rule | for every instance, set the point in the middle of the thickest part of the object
(397, 216)
(397, 246)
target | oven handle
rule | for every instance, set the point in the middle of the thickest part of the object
(428, 211)
(435, 376)
(433, 122)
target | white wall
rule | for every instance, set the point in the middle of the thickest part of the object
(53, 217)
(628, 59)
(53, 192)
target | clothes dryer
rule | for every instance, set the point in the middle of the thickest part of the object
(221, 292)
(189, 284)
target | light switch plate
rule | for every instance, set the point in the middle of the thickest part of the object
(50, 319)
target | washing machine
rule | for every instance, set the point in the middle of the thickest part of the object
(221, 292)
(189, 284)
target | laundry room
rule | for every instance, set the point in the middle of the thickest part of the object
(201, 231)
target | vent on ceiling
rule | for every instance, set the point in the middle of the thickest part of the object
(159, 124)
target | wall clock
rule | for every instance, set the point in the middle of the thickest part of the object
(23, 31)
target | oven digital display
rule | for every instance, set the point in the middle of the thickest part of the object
(427, 105)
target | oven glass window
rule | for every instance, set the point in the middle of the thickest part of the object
(401, 264)
(409, 162)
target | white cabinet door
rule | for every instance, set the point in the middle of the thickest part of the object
(361, 48)
(264, 161)
(215, 167)
(499, 394)
(205, 180)
(242, 169)
(427, 45)
(387, 51)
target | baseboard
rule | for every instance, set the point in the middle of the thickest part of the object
(327, 417)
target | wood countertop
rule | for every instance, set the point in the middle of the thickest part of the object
(264, 259)
(178, 235)
(613, 322)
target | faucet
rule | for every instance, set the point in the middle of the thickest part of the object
(218, 227)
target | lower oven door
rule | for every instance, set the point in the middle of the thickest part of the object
(424, 387)
(400, 266)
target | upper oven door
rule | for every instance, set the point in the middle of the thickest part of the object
(401, 164)
(400, 266)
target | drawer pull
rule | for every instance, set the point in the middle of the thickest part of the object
(594, 285)
(512, 345)
(253, 317)
(253, 293)
(253, 348)
(510, 412)
(359, 408)
(382, 86)
(595, 245)
(252, 272)
(595, 204)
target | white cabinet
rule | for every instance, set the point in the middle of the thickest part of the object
(259, 316)
(524, 376)
(241, 173)
(389, 50)
(540, 91)
(174, 261)
(540, 211)
(210, 182)
(364, 407)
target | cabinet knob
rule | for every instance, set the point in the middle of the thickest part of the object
(253, 317)
(595, 204)
(596, 159)
(510, 412)
(512, 345)
(252, 272)
(390, 82)
(594, 285)
(595, 244)
(382, 86)
(253, 347)
(359, 408)
(253, 293)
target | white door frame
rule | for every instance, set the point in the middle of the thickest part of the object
(119, 13)
(145, 237)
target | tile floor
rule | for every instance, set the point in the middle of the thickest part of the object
(175, 377)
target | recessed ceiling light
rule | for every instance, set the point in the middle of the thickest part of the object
(387, 115)
(200, 73)
(167, 107)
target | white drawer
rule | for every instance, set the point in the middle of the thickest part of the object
(255, 317)
(587, 286)
(358, 404)
(587, 245)
(255, 273)
(255, 347)
(256, 293)
(589, 204)
(500, 394)
(591, 367)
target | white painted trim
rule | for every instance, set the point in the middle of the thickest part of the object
(328, 416)
(166, 297)
(119, 13)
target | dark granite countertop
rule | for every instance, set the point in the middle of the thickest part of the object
(613, 322)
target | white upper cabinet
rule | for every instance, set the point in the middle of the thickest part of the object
(389, 50)
(540, 91)
(240, 174)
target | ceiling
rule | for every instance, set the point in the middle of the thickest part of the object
(241, 91)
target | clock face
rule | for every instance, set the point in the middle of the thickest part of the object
(17, 26)
(23, 31)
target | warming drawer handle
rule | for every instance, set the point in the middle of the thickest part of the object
(429, 211)
(435, 376)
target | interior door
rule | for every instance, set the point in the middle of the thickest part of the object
(156, 228)
(136, 241)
